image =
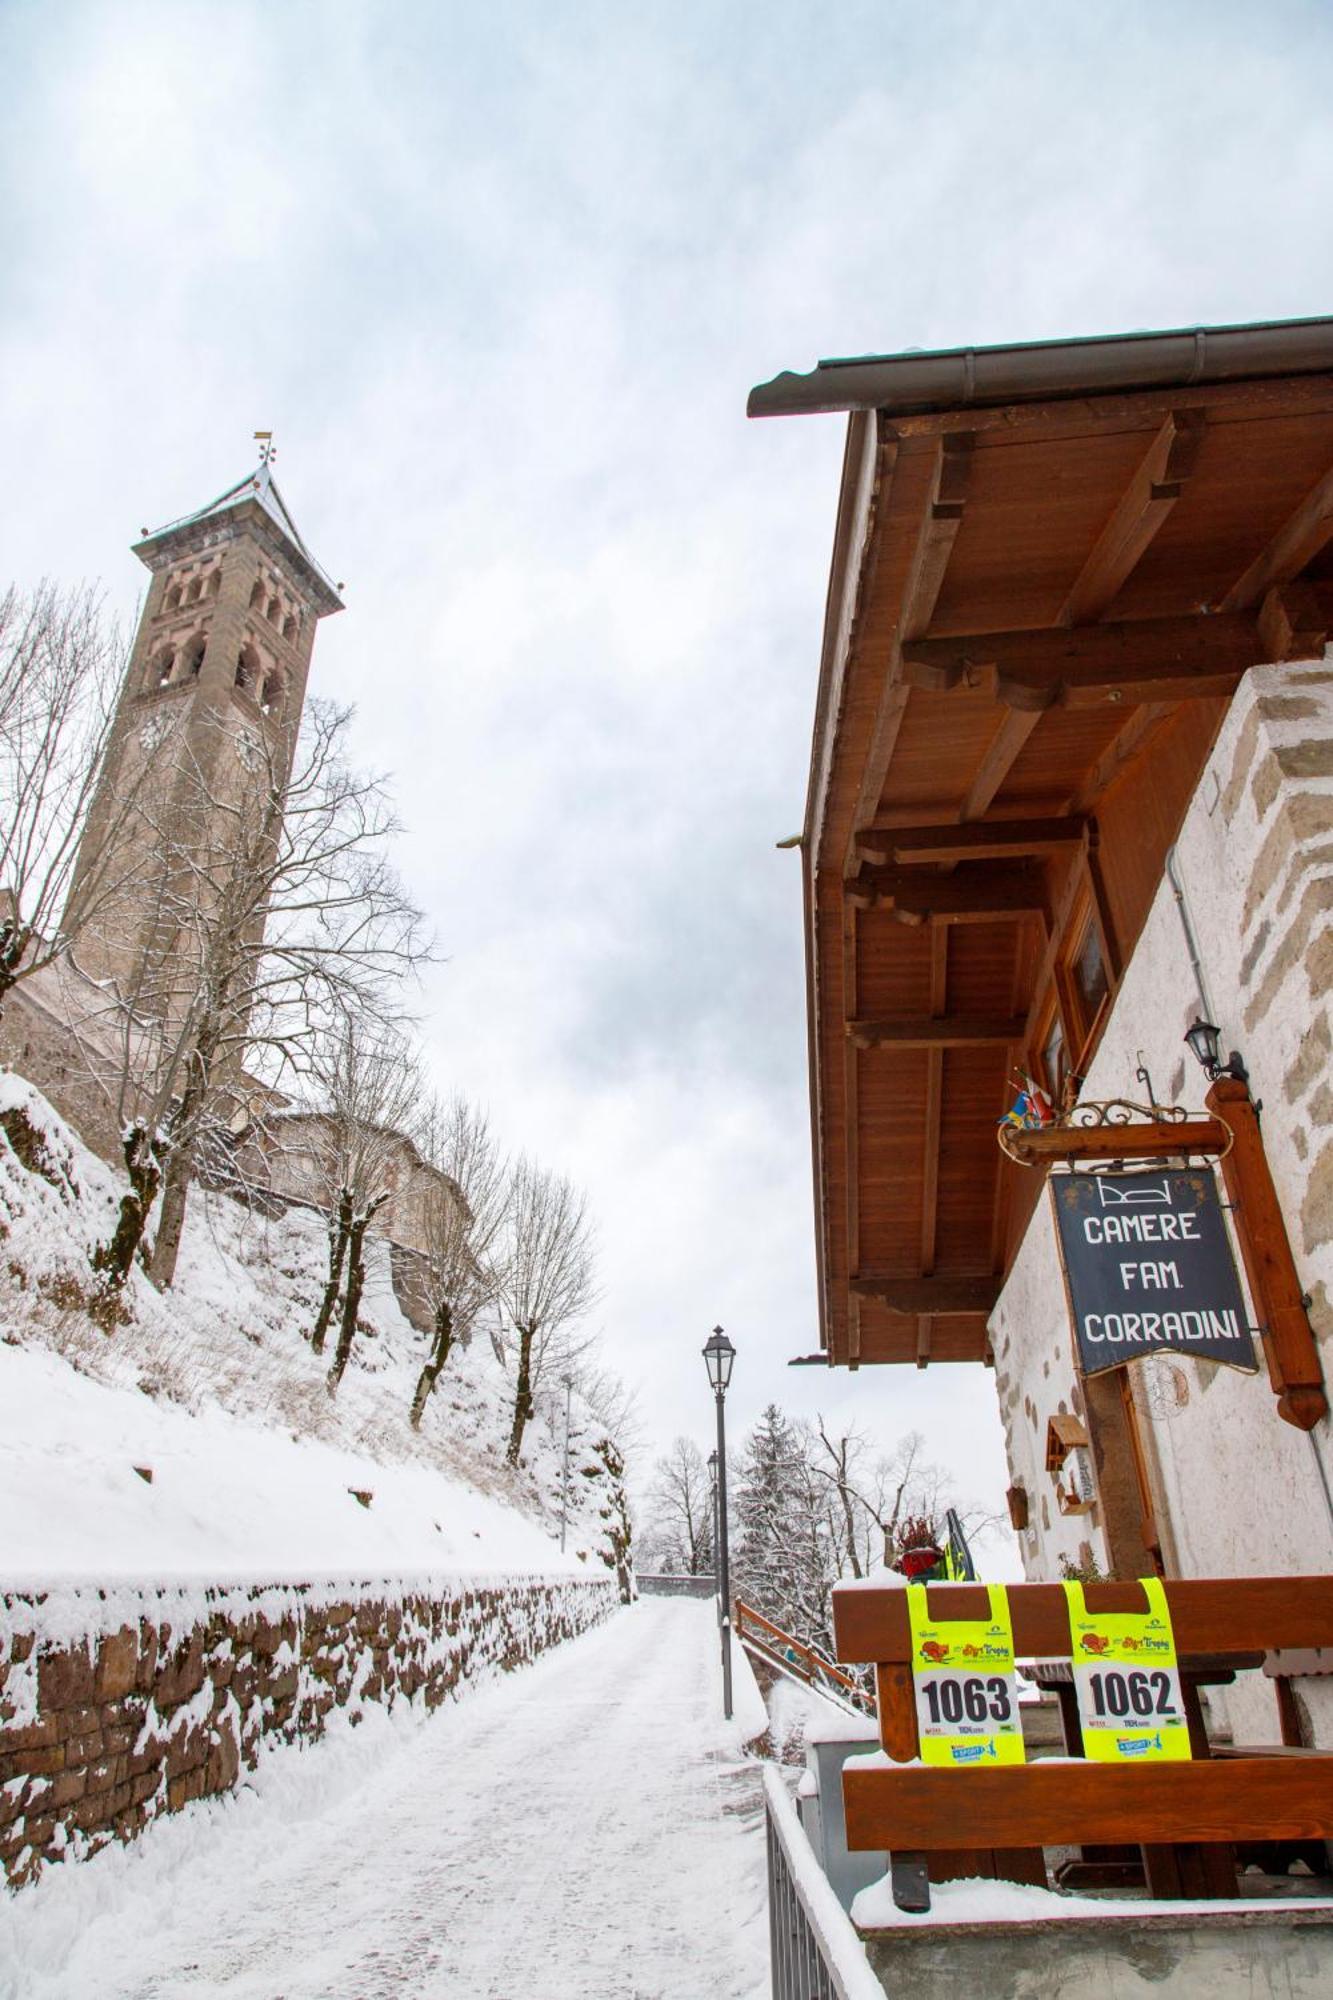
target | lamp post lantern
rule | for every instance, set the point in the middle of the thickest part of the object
(719, 1354)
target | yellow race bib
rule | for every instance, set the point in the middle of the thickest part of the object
(966, 1690)
(1128, 1684)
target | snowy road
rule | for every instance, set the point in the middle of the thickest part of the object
(581, 1832)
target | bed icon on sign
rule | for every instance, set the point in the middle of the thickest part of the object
(1134, 1194)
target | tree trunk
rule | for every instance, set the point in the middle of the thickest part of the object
(356, 1278)
(14, 940)
(180, 1164)
(340, 1228)
(115, 1260)
(523, 1394)
(430, 1374)
(175, 1187)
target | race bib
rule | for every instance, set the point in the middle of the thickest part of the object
(1128, 1685)
(966, 1691)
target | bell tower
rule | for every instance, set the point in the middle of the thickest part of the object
(209, 711)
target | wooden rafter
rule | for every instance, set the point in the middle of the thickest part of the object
(941, 519)
(1139, 513)
(944, 1297)
(993, 840)
(1143, 659)
(940, 1031)
(1125, 744)
(967, 895)
(1002, 753)
(1297, 542)
(1293, 622)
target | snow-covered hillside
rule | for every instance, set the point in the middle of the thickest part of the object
(192, 1431)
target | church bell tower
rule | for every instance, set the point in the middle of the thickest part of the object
(210, 706)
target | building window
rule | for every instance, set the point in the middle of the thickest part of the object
(257, 595)
(274, 612)
(174, 598)
(247, 670)
(289, 630)
(161, 670)
(195, 657)
(1053, 1056)
(271, 699)
(215, 583)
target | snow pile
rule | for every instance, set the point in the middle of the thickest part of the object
(192, 1433)
(976, 1900)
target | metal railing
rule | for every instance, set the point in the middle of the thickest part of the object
(815, 1953)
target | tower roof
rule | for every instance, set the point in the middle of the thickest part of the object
(258, 488)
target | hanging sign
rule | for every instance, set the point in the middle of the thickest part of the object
(966, 1690)
(1149, 1267)
(1130, 1706)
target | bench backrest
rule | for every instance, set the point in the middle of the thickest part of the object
(1212, 1618)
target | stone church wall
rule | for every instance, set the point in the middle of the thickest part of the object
(123, 1702)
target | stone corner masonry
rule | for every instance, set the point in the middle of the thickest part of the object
(124, 1700)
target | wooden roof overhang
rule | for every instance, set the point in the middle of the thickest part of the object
(1038, 612)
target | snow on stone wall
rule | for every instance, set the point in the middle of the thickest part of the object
(122, 1701)
(1239, 1491)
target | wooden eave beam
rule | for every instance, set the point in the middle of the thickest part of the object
(949, 1031)
(943, 1297)
(990, 840)
(1141, 660)
(966, 895)
(1002, 424)
(1139, 513)
(941, 519)
(1297, 542)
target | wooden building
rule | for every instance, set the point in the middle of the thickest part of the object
(1056, 570)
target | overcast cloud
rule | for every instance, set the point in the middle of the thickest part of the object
(499, 279)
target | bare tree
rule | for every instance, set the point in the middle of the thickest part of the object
(465, 1215)
(61, 667)
(843, 1454)
(548, 1278)
(370, 1086)
(613, 1401)
(279, 920)
(681, 1500)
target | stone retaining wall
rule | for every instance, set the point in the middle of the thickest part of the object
(123, 1701)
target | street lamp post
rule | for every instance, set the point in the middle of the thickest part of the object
(719, 1354)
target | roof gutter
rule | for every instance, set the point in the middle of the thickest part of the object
(1045, 370)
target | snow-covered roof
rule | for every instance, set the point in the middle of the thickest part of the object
(261, 487)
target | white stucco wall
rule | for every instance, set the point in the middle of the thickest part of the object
(1240, 1491)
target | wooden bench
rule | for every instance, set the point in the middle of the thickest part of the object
(938, 1824)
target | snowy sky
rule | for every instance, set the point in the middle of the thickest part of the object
(499, 279)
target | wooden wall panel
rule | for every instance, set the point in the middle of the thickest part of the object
(1139, 817)
(892, 1112)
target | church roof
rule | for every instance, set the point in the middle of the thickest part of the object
(260, 487)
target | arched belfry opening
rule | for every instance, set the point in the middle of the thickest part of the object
(236, 560)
